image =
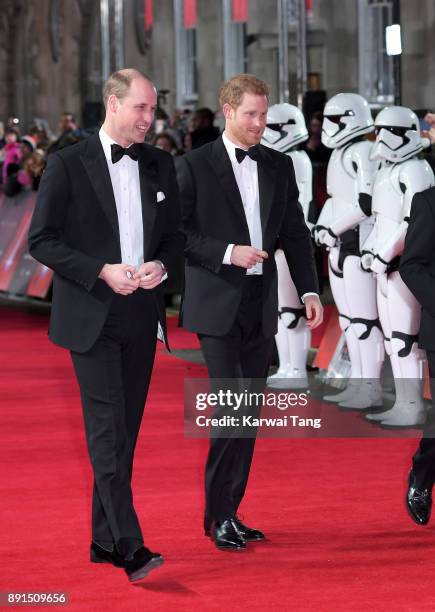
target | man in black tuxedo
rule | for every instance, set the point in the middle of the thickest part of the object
(417, 269)
(106, 221)
(238, 199)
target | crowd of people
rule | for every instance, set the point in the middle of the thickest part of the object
(23, 154)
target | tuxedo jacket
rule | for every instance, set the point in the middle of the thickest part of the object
(213, 217)
(75, 231)
(417, 264)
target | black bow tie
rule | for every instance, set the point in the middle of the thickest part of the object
(118, 152)
(252, 152)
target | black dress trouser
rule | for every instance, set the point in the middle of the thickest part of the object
(241, 353)
(114, 377)
(424, 458)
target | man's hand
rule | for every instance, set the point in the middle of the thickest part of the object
(149, 274)
(247, 256)
(119, 277)
(314, 311)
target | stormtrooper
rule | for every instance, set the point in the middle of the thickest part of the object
(284, 131)
(343, 225)
(402, 174)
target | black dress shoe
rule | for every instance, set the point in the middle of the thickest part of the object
(418, 501)
(226, 536)
(248, 534)
(143, 562)
(101, 555)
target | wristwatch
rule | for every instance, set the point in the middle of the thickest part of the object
(164, 271)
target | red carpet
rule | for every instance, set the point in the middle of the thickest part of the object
(339, 537)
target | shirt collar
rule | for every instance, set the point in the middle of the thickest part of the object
(231, 149)
(107, 142)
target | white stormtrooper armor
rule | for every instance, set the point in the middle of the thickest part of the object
(286, 129)
(342, 227)
(398, 141)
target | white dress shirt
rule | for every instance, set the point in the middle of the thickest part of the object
(126, 189)
(246, 175)
(247, 181)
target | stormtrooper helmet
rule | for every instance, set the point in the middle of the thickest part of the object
(285, 127)
(346, 116)
(397, 134)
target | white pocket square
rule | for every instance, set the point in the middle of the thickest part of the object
(160, 196)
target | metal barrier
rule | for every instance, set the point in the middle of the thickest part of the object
(20, 274)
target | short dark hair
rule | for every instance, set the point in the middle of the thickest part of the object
(167, 137)
(205, 113)
(70, 116)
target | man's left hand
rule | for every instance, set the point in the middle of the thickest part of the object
(150, 274)
(314, 311)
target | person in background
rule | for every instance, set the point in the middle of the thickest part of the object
(203, 130)
(34, 167)
(165, 142)
(430, 133)
(175, 127)
(2, 135)
(32, 164)
(40, 137)
(314, 148)
(69, 133)
(12, 153)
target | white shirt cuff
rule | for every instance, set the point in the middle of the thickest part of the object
(307, 294)
(165, 275)
(227, 256)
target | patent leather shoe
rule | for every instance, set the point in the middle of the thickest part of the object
(101, 555)
(418, 501)
(247, 533)
(226, 536)
(143, 562)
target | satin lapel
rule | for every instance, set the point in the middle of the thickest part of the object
(222, 167)
(96, 167)
(148, 178)
(267, 176)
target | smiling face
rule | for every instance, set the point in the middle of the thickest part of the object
(128, 119)
(245, 124)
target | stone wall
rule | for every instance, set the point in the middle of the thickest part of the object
(35, 84)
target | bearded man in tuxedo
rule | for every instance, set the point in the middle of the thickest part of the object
(238, 199)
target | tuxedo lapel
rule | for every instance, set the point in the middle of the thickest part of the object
(221, 164)
(148, 178)
(267, 176)
(96, 168)
(95, 165)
